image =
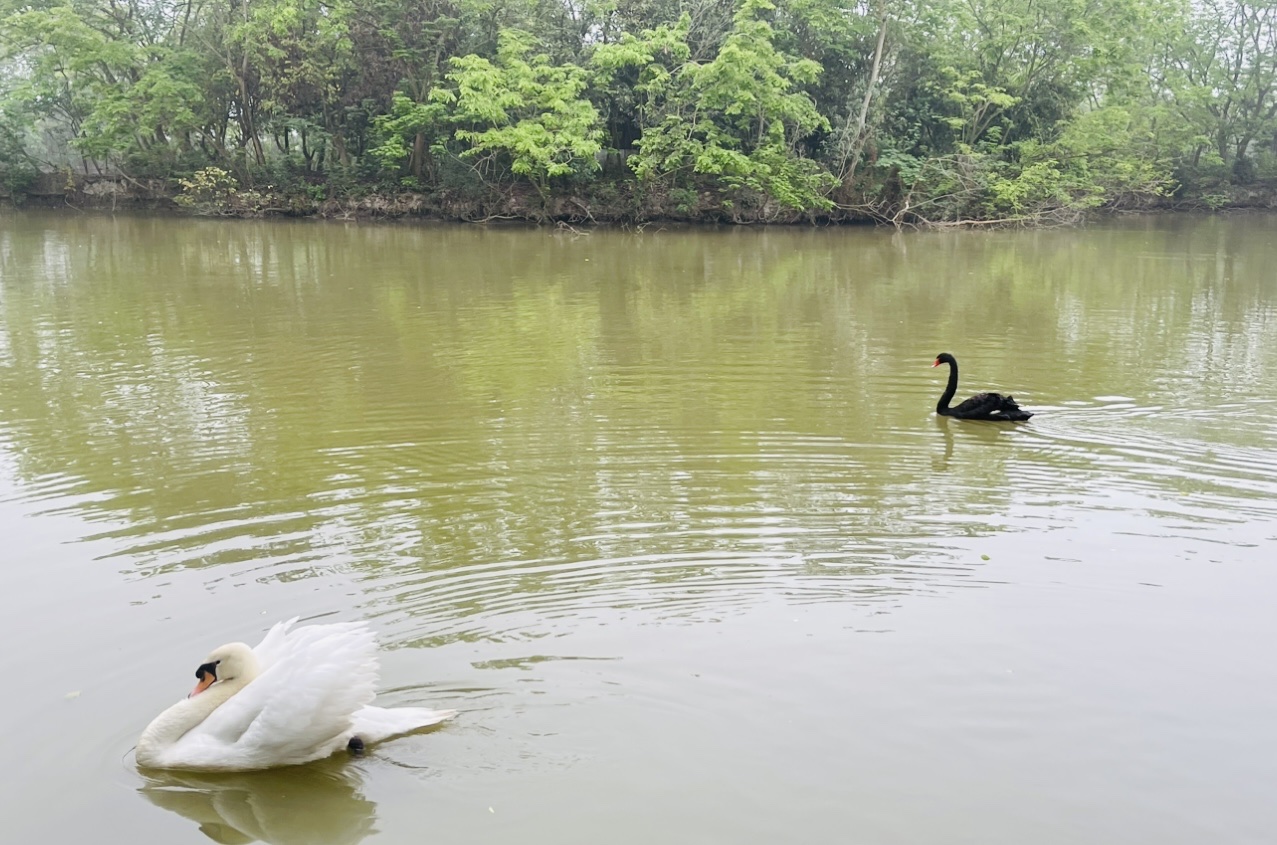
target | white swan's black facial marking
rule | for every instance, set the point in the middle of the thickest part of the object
(210, 668)
(207, 675)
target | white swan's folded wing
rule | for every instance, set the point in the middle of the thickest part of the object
(275, 644)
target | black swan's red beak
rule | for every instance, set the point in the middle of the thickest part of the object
(936, 363)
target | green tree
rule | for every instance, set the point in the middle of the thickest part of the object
(522, 112)
(901, 110)
(409, 131)
(110, 77)
(403, 51)
(741, 118)
(1221, 75)
(18, 168)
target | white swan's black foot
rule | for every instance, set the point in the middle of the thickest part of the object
(355, 747)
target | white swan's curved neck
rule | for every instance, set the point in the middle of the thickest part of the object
(174, 723)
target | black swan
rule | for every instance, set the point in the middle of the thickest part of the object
(982, 406)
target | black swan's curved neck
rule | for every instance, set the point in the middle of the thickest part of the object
(942, 407)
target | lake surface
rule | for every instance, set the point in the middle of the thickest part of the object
(669, 517)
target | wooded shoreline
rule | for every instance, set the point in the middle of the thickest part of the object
(898, 112)
(55, 192)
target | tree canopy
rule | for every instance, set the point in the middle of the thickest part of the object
(890, 110)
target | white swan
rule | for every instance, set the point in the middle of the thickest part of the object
(301, 695)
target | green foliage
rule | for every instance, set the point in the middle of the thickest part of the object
(17, 170)
(977, 105)
(524, 113)
(971, 109)
(739, 118)
(118, 95)
(406, 121)
(1219, 73)
(207, 191)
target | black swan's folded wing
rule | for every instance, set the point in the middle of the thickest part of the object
(990, 406)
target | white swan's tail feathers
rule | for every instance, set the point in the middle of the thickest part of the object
(374, 724)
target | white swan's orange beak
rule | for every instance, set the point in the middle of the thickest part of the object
(206, 681)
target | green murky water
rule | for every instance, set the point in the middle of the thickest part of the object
(667, 515)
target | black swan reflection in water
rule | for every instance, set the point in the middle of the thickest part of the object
(982, 406)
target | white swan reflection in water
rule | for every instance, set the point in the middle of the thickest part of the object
(317, 804)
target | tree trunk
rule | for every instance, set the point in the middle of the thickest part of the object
(858, 137)
(417, 164)
(339, 148)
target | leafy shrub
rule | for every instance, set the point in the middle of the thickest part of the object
(207, 191)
